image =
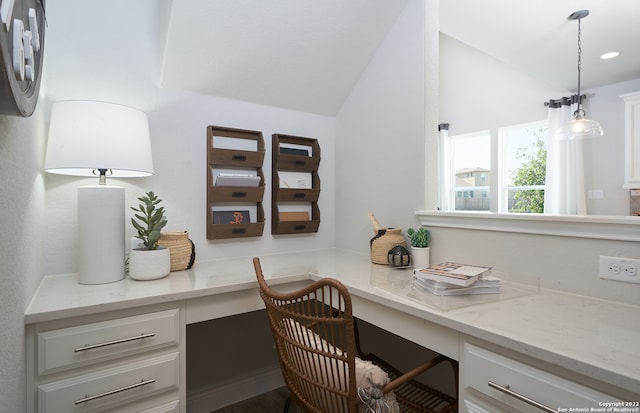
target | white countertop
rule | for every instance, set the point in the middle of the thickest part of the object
(593, 337)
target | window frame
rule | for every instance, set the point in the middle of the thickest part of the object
(497, 185)
(503, 172)
(448, 182)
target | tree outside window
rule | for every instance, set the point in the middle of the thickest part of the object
(526, 162)
(530, 174)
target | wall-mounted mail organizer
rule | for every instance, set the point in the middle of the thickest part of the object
(235, 183)
(295, 185)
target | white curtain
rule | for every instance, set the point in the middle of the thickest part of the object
(564, 187)
(446, 197)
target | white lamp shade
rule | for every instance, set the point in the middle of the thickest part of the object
(88, 135)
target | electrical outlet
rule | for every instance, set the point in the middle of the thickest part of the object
(620, 269)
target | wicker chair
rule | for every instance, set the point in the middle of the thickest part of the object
(316, 340)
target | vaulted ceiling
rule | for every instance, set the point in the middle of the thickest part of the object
(299, 54)
(308, 54)
(537, 38)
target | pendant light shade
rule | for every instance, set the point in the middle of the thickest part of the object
(579, 127)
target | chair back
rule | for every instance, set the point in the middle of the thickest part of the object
(314, 337)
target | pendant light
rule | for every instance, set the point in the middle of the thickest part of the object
(579, 127)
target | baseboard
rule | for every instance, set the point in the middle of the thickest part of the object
(210, 399)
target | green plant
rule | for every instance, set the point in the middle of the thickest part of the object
(150, 220)
(531, 172)
(419, 238)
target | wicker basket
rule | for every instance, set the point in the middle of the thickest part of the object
(383, 241)
(182, 249)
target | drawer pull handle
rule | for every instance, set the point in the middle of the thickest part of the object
(111, 343)
(88, 398)
(505, 389)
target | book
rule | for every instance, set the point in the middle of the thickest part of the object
(225, 179)
(231, 217)
(452, 273)
(487, 284)
(294, 216)
(295, 180)
(293, 151)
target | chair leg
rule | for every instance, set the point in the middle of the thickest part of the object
(287, 404)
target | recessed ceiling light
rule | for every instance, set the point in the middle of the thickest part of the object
(609, 55)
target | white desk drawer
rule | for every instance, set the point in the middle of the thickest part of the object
(482, 366)
(66, 348)
(110, 387)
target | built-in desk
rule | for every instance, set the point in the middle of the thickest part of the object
(586, 340)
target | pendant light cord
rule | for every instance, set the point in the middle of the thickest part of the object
(579, 67)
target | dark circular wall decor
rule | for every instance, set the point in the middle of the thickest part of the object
(22, 24)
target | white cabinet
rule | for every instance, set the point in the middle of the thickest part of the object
(493, 382)
(119, 361)
(632, 139)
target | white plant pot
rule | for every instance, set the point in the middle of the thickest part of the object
(147, 264)
(419, 257)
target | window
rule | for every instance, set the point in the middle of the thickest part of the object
(522, 167)
(466, 170)
(468, 183)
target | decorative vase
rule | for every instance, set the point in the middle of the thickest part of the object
(147, 264)
(384, 240)
(181, 249)
(420, 257)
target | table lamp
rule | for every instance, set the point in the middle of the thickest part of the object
(88, 138)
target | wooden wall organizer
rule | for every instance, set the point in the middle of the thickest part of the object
(234, 196)
(291, 162)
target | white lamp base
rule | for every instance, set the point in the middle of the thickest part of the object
(100, 234)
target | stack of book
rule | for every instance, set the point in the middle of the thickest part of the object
(450, 278)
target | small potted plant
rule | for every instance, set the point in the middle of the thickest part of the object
(149, 262)
(419, 239)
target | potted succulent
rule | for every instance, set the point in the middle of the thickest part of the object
(150, 261)
(419, 239)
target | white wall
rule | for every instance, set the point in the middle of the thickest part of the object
(126, 72)
(478, 92)
(605, 156)
(178, 125)
(560, 263)
(22, 142)
(380, 137)
(178, 132)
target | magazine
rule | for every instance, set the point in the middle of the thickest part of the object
(452, 273)
(486, 285)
